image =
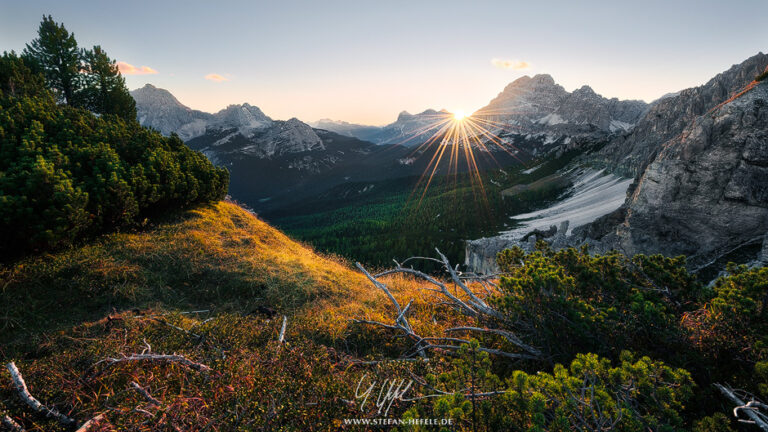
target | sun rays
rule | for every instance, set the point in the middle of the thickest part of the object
(454, 142)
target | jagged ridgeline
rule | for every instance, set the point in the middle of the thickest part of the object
(69, 171)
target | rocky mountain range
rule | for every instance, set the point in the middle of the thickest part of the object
(238, 128)
(535, 104)
(700, 162)
(408, 130)
(705, 193)
(671, 114)
(532, 114)
(274, 162)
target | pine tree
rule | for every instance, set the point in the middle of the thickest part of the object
(55, 51)
(105, 91)
(18, 79)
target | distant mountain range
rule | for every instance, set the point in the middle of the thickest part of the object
(275, 162)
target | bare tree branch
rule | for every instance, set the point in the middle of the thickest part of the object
(150, 357)
(145, 394)
(21, 388)
(441, 287)
(10, 424)
(475, 300)
(281, 339)
(474, 307)
(91, 423)
(509, 336)
(755, 417)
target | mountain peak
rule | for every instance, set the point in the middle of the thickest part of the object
(585, 89)
(543, 79)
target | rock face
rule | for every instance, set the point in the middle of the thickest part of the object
(159, 109)
(670, 115)
(706, 192)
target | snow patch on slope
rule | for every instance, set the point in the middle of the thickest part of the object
(593, 194)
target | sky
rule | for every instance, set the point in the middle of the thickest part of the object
(366, 61)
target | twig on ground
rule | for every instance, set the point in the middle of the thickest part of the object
(21, 388)
(144, 393)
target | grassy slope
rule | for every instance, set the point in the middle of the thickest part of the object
(65, 312)
(218, 257)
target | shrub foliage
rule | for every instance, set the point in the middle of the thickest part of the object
(66, 173)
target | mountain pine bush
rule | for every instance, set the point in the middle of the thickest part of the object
(66, 173)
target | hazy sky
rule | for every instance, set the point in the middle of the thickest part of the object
(365, 61)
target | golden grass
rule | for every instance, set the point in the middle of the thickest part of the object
(217, 257)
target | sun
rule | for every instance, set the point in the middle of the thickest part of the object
(459, 115)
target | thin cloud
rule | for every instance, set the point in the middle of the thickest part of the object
(510, 64)
(129, 69)
(215, 77)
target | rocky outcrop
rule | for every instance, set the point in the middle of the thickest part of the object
(701, 159)
(670, 115)
(706, 192)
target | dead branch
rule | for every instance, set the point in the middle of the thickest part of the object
(145, 394)
(21, 388)
(752, 411)
(474, 307)
(149, 357)
(91, 423)
(440, 393)
(476, 301)
(509, 336)
(441, 287)
(401, 322)
(281, 339)
(10, 424)
(493, 351)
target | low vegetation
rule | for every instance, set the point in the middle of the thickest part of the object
(639, 341)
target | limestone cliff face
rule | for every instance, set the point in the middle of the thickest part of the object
(707, 190)
(671, 115)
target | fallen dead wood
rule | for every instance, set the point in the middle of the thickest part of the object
(10, 424)
(751, 410)
(281, 338)
(151, 357)
(21, 388)
(91, 423)
(473, 306)
(145, 394)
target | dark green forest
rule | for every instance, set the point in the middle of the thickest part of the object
(398, 219)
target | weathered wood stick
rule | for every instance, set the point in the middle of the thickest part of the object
(281, 339)
(143, 392)
(753, 416)
(21, 388)
(91, 423)
(172, 358)
(10, 424)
